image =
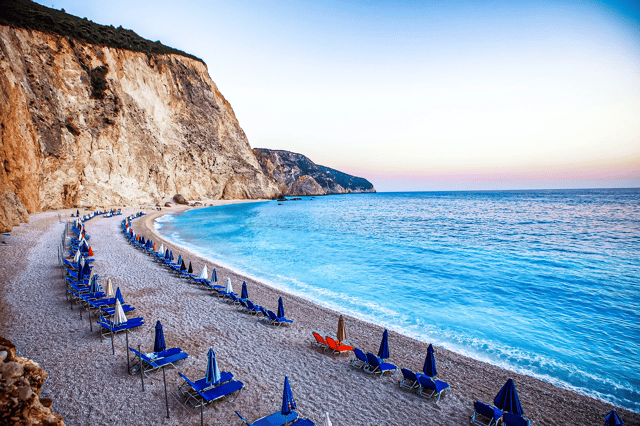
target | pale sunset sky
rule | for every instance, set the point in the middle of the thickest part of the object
(420, 95)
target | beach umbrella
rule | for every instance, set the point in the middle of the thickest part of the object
(429, 368)
(158, 344)
(383, 352)
(326, 422)
(204, 274)
(190, 269)
(228, 289)
(84, 272)
(166, 254)
(214, 276)
(119, 295)
(182, 267)
(90, 251)
(109, 289)
(342, 330)
(213, 372)
(161, 250)
(171, 255)
(245, 293)
(95, 286)
(119, 317)
(77, 213)
(288, 403)
(612, 419)
(507, 399)
(154, 247)
(280, 308)
(179, 261)
(76, 258)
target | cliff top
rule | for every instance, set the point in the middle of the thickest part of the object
(27, 14)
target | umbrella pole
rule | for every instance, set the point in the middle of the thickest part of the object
(126, 333)
(81, 310)
(113, 349)
(90, 324)
(166, 398)
(201, 413)
(141, 370)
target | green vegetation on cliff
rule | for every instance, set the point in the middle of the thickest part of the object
(27, 14)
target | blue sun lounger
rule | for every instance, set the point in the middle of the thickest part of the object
(360, 361)
(158, 360)
(250, 308)
(409, 379)
(485, 415)
(107, 327)
(275, 419)
(377, 366)
(189, 388)
(273, 319)
(210, 395)
(509, 419)
(430, 387)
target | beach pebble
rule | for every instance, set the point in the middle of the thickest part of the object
(24, 393)
(11, 369)
(3, 355)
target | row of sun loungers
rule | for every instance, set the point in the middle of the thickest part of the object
(86, 291)
(179, 268)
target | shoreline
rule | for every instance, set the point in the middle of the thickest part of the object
(258, 355)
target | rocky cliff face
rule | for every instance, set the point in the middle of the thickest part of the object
(85, 125)
(295, 174)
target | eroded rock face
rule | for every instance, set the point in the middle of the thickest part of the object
(296, 174)
(82, 125)
(21, 382)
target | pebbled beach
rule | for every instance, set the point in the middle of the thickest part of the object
(89, 385)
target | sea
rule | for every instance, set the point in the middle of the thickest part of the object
(545, 282)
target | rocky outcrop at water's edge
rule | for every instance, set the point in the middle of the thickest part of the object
(296, 174)
(21, 382)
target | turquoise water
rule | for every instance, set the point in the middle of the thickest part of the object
(542, 282)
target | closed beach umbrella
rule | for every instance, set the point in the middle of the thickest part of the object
(158, 344)
(383, 352)
(204, 274)
(182, 266)
(342, 331)
(109, 289)
(119, 297)
(90, 251)
(179, 261)
(245, 293)
(95, 287)
(86, 270)
(507, 399)
(429, 368)
(288, 403)
(119, 317)
(161, 250)
(612, 419)
(326, 422)
(171, 255)
(280, 308)
(214, 276)
(190, 268)
(228, 289)
(76, 258)
(166, 254)
(213, 372)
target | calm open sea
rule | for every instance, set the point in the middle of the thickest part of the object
(546, 283)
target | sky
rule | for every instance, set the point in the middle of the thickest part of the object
(420, 95)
